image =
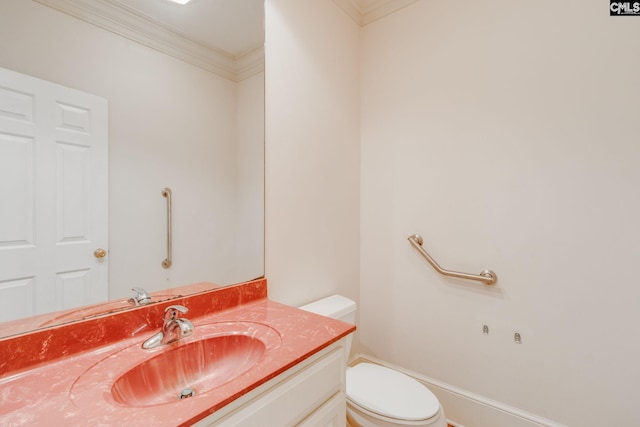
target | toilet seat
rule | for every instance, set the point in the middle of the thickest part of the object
(390, 394)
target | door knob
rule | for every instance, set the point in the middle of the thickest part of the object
(99, 253)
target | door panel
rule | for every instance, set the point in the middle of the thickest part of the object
(72, 287)
(17, 185)
(17, 297)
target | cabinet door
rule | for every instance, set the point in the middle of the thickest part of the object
(291, 401)
(331, 414)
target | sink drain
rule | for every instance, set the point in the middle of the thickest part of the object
(187, 393)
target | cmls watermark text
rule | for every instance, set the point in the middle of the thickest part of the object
(624, 8)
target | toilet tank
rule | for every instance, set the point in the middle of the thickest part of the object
(335, 307)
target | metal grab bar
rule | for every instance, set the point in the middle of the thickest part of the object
(487, 276)
(166, 192)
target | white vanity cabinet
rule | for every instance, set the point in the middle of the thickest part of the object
(311, 394)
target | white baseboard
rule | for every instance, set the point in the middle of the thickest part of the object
(466, 409)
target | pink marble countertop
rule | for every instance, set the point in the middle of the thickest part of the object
(69, 388)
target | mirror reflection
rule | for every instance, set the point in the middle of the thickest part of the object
(182, 92)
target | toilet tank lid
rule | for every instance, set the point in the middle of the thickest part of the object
(390, 393)
(334, 306)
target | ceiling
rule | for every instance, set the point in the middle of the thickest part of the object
(231, 26)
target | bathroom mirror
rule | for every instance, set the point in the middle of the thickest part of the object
(185, 93)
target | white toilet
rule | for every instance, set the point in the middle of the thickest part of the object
(378, 396)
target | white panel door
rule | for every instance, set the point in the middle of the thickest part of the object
(53, 197)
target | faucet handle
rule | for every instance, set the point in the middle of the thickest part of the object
(172, 312)
(141, 297)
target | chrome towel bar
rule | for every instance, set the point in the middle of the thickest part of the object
(487, 276)
(166, 263)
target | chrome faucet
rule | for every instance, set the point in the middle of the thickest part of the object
(140, 297)
(173, 328)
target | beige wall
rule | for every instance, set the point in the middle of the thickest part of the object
(506, 134)
(170, 124)
(312, 151)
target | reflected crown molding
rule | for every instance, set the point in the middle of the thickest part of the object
(364, 12)
(120, 19)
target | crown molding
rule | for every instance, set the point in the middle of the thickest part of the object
(351, 8)
(365, 12)
(250, 64)
(120, 19)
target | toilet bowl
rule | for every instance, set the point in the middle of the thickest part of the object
(378, 396)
